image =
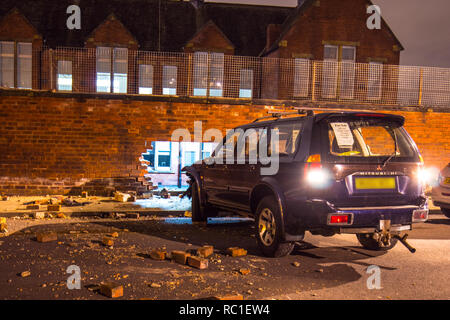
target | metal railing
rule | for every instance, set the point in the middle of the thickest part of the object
(201, 74)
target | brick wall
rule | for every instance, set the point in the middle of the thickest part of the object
(55, 142)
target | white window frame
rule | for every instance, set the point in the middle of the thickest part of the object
(302, 72)
(7, 62)
(374, 80)
(244, 90)
(64, 77)
(145, 79)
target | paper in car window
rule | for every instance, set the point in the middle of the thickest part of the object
(344, 136)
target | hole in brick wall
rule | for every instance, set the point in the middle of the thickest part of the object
(165, 159)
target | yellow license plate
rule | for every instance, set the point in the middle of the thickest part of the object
(447, 181)
(375, 183)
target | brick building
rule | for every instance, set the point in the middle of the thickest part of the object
(137, 70)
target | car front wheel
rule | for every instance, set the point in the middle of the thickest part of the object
(446, 212)
(268, 229)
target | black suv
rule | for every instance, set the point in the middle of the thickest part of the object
(327, 173)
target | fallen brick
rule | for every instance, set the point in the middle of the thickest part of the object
(236, 252)
(53, 207)
(114, 235)
(133, 215)
(108, 241)
(244, 271)
(111, 290)
(229, 297)
(121, 197)
(197, 262)
(61, 216)
(5, 198)
(25, 274)
(32, 207)
(3, 227)
(84, 194)
(180, 256)
(46, 236)
(157, 254)
(205, 251)
(39, 215)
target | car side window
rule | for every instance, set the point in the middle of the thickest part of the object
(226, 150)
(248, 144)
(288, 136)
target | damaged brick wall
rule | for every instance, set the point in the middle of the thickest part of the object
(58, 143)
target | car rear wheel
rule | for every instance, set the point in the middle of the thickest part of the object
(368, 242)
(446, 212)
(268, 229)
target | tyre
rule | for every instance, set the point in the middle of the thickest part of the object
(198, 212)
(268, 229)
(368, 242)
(446, 212)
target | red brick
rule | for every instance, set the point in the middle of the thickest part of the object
(205, 251)
(180, 256)
(197, 262)
(111, 290)
(46, 236)
(158, 254)
(236, 252)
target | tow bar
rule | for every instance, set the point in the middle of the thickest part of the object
(385, 236)
(403, 241)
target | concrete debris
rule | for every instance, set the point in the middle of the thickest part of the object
(5, 198)
(47, 236)
(61, 216)
(115, 234)
(84, 194)
(111, 290)
(236, 252)
(155, 285)
(296, 264)
(197, 262)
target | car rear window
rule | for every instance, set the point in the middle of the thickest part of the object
(365, 139)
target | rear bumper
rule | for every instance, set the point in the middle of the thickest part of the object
(317, 214)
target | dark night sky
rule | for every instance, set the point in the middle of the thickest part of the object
(422, 26)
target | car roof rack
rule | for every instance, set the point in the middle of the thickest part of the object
(278, 114)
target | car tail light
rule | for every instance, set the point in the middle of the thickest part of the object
(420, 215)
(339, 219)
(314, 173)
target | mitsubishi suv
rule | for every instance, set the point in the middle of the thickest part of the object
(327, 173)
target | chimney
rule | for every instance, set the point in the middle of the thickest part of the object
(200, 13)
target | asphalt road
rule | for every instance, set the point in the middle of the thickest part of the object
(329, 268)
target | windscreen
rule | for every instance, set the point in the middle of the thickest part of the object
(368, 140)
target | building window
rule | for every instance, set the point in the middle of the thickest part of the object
(347, 72)
(208, 69)
(163, 155)
(339, 62)
(22, 77)
(189, 158)
(169, 80)
(374, 80)
(145, 79)
(302, 69)
(64, 77)
(246, 84)
(112, 77)
(7, 64)
(329, 73)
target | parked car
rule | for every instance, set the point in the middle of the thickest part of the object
(346, 172)
(441, 193)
